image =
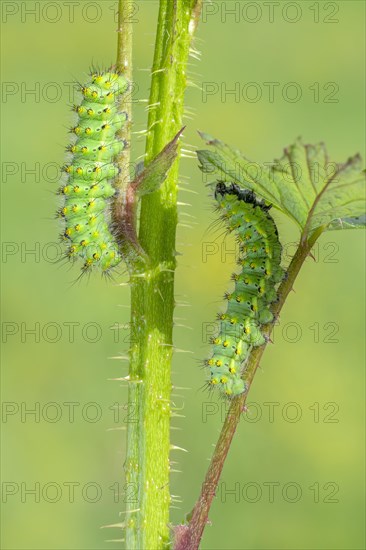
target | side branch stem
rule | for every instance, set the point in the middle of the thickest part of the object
(188, 536)
(124, 66)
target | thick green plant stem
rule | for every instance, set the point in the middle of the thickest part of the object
(152, 295)
(188, 537)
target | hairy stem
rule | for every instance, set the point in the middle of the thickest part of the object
(124, 65)
(152, 295)
(188, 537)
(124, 204)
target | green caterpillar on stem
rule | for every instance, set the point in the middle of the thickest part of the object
(99, 228)
(88, 188)
(248, 306)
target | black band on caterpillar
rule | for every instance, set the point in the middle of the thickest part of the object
(245, 195)
(89, 187)
(255, 285)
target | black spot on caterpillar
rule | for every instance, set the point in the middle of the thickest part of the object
(254, 286)
(88, 185)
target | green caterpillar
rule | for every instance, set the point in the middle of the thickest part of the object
(255, 286)
(88, 186)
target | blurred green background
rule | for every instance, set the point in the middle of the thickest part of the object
(295, 474)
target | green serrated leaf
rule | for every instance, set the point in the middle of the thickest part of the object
(303, 183)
